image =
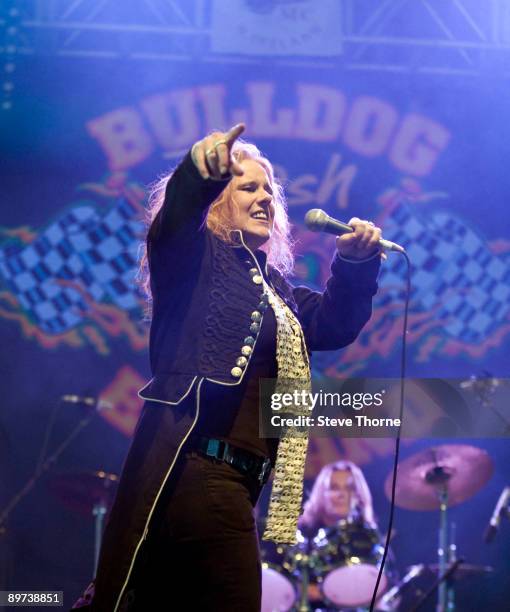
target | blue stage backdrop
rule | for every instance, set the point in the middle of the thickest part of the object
(422, 156)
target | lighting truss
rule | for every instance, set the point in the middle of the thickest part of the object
(451, 37)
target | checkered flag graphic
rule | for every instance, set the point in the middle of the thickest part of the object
(453, 271)
(97, 252)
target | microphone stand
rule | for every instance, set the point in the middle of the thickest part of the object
(500, 511)
(41, 469)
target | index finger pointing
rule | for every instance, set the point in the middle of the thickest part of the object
(234, 133)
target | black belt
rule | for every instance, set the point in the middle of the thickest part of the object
(240, 459)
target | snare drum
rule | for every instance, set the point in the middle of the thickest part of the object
(348, 558)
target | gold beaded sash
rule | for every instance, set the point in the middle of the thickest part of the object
(293, 374)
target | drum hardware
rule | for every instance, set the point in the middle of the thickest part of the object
(41, 468)
(87, 493)
(467, 469)
(408, 595)
(342, 560)
(443, 579)
(338, 567)
(305, 565)
(348, 561)
(391, 596)
(286, 585)
(98, 504)
(436, 479)
(93, 489)
(466, 570)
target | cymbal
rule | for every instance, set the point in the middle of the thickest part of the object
(81, 491)
(460, 469)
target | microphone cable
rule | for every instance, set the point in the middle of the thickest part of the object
(399, 430)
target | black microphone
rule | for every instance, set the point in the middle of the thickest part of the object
(317, 220)
(90, 402)
(493, 526)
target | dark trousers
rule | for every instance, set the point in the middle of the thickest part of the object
(201, 552)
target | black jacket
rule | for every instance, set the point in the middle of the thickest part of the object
(204, 293)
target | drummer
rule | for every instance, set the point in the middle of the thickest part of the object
(340, 496)
(339, 492)
(339, 509)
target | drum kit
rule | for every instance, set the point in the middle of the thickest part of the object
(337, 568)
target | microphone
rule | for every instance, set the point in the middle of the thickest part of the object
(91, 402)
(499, 510)
(317, 220)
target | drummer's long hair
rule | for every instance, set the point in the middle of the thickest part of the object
(279, 248)
(314, 508)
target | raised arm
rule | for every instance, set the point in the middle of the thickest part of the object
(195, 184)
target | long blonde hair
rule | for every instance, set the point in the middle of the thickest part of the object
(313, 512)
(279, 247)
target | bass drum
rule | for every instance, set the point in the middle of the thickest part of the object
(279, 592)
(347, 558)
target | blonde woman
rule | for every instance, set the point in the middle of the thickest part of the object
(347, 545)
(218, 255)
(340, 491)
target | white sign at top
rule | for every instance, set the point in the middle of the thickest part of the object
(276, 27)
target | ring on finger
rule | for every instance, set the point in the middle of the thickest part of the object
(211, 151)
(219, 142)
